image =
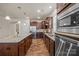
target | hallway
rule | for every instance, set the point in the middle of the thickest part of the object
(37, 48)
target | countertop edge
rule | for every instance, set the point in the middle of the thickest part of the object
(50, 36)
(8, 42)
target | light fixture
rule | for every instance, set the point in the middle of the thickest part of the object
(64, 24)
(7, 18)
(19, 22)
(74, 22)
(50, 6)
(38, 17)
(38, 11)
(24, 23)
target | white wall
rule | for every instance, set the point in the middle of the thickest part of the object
(6, 28)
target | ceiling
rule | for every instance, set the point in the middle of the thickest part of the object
(23, 10)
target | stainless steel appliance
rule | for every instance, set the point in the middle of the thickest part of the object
(66, 46)
(33, 31)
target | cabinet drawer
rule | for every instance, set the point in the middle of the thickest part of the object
(8, 49)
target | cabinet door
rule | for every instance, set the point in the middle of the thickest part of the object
(1, 50)
(47, 43)
(10, 50)
(64, 49)
(22, 48)
(28, 42)
(52, 47)
(74, 51)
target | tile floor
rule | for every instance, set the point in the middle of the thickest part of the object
(37, 48)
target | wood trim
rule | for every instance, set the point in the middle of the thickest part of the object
(66, 7)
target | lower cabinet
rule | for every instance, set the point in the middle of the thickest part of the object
(22, 48)
(39, 35)
(50, 45)
(16, 49)
(8, 49)
(28, 42)
(24, 45)
(52, 48)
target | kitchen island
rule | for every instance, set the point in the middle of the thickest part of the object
(15, 46)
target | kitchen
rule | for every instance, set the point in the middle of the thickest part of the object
(39, 29)
(23, 29)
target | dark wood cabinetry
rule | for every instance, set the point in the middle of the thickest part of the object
(24, 45)
(39, 35)
(28, 42)
(50, 45)
(22, 48)
(61, 7)
(8, 49)
(15, 49)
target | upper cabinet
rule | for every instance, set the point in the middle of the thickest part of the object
(62, 7)
(46, 24)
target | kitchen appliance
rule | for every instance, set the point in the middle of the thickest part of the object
(66, 46)
(70, 20)
(33, 31)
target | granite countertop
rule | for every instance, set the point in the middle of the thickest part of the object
(14, 39)
(68, 34)
(51, 36)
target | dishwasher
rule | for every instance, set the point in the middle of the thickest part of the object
(65, 46)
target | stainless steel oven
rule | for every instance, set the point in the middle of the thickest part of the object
(65, 46)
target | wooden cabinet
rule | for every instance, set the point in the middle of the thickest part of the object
(39, 35)
(22, 48)
(52, 48)
(8, 49)
(61, 7)
(28, 42)
(15, 49)
(47, 42)
(24, 45)
(50, 45)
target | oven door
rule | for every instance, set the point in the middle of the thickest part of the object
(58, 45)
(66, 47)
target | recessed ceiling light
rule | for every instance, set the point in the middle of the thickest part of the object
(38, 11)
(50, 6)
(38, 17)
(24, 23)
(7, 18)
(74, 22)
(19, 22)
(19, 7)
(64, 24)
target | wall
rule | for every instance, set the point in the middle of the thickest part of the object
(6, 28)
